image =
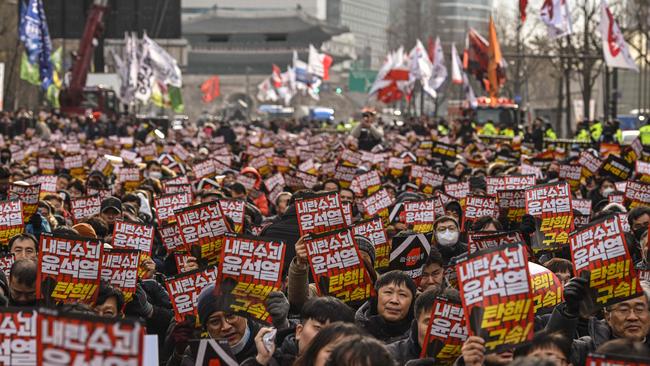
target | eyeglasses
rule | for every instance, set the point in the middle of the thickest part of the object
(217, 322)
(626, 310)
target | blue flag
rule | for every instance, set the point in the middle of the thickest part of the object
(45, 61)
(35, 36)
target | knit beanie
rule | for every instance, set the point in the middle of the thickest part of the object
(366, 246)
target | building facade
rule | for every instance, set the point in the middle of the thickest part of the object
(452, 19)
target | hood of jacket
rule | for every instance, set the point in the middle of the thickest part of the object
(367, 318)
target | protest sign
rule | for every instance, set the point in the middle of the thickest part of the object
(47, 182)
(509, 182)
(181, 259)
(85, 207)
(616, 168)
(6, 261)
(319, 213)
(276, 180)
(171, 237)
(377, 204)
(477, 207)
(202, 227)
(637, 194)
(598, 359)
(572, 174)
(204, 169)
(366, 184)
(308, 180)
(599, 253)
(496, 291)
(131, 235)
(120, 270)
(512, 203)
(419, 215)
(130, 178)
(374, 231)
(550, 205)
(71, 339)
(181, 179)
(430, 181)
(344, 175)
(46, 165)
(184, 290)
(177, 188)
(336, 266)
(446, 332)
(256, 266)
(458, 190)
(68, 268)
(443, 151)
(234, 209)
(28, 195)
(547, 288)
(212, 352)
(75, 165)
(11, 220)
(166, 205)
(642, 171)
(18, 337)
(486, 240)
(395, 166)
(590, 164)
(409, 253)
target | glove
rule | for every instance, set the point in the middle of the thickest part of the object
(574, 291)
(278, 306)
(139, 305)
(181, 335)
(527, 224)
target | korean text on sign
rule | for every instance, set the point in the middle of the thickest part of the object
(446, 332)
(184, 290)
(320, 213)
(130, 235)
(18, 337)
(550, 204)
(203, 225)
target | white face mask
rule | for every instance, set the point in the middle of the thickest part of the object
(155, 175)
(447, 238)
(607, 192)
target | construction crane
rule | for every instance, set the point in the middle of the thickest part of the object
(76, 98)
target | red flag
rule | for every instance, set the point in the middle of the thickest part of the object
(210, 89)
(494, 54)
(430, 48)
(276, 76)
(522, 10)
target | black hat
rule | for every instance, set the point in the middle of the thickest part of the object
(111, 202)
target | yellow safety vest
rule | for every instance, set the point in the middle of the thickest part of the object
(550, 134)
(596, 131)
(644, 135)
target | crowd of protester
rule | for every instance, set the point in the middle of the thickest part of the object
(390, 327)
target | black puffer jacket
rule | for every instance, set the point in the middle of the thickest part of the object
(449, 252)
(406, 349)
(387, 332)
(286, 230)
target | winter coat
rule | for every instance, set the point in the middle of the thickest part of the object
(286, 230)
(285, 355)
(368, 319)
(406, 349)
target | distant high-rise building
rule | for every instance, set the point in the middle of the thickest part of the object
(452, 19)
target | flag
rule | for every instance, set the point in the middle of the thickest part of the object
(319, 63)
(615, 49)
(392, 80)
(439, 72)
(430, 48)
(456, 66)
(176, 99)
(266, 92)
(476, 56)
(210, 89)
(470, 96)
(160, 95)
(29, 72)
(165, 67)
(494, 52)
(557, 17)
(145, 75)
(523, 4)
(300, 69)
(34, 34)
(276, 76)
(420, 68)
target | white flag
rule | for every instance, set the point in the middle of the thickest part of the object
(557, 17)
(439, 73)
(266, 92)
(456, 66)
(318, 63)
(420, 68)
(381, 81)
(615, 49)
(470, 97)
(164, 65)
(145, 78)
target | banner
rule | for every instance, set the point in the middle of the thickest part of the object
(377, 204)
(550, 204)
(120, 270)
(68, 268)
(597, 359)
(510, 182)
(320, 213)
(458, 190)
(11, 220)
(166, 205)
(337, 268)
(409, 253)
(497, 296)
(637, 194)
(131, 235)
(446, 332)
(477, 207)
(616, 168)
(85, 207)
(599, 253)
(28, 195)
(486, 240)
(202, 228)
(547, 288)
(18, 337)
(256, 266)
(234, 209)
(73, 339)
(513, 204)
(419, 216)
(374, 231)
(184, 290)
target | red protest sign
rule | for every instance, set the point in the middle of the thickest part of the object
(590, 163)
(256, 266)
(28, 195)
(597, 359)
(551, 205)
(458, 190)
(184, 290)
(374, 231)
(130, 178)
(347, 212)
(477, 207)
(18, 337)
(171, 237)
(336, 265)
(203, 226)
(419, 215)
(120, 270)
(377, 204)
(88, 339)
(6, 261)
(204, 169)
(430, 181)
(234, 210)
(547, 288)
(599, 253)
(513, 202)
(131, 235)
(487, 240)
(508, 183)
(572, 174)
(367, 183)
(68, 268)
(446, 332)
(181, 258)
(166, 205)
(320, 213)
(11, 220)
(637, 194)
(181, 179)
(177, 188)
(496, 292)
(85, 207)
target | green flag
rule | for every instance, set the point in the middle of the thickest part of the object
(29, 72)
(56, 58)
(177, 99)
(52, 96)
